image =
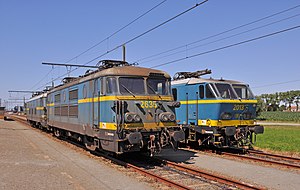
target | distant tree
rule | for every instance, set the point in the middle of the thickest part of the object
(282, 108)
(297, 101)
(271, 102)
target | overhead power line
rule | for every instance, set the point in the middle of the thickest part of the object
(135, 38)
(97, 44)
(274, 84)
(146, 32)
(42, 78)
(228, 46)
(218, 34)
(221, 39)
(116, 32)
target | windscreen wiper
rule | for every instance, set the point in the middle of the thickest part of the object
(128, 90)
(154, 91)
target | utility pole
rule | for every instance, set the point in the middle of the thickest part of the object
(124, 52)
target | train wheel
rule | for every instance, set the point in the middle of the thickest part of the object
(57, 132)
(89, 143)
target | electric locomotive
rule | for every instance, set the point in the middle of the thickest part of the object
(219, 113)
(36, 111)
(118, 108)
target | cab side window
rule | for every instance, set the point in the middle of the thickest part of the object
(201, 91)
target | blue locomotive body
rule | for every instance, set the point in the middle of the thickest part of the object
(120, 108)
(36, 111)
(216, 112)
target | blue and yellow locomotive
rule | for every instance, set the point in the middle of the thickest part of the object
(118, 108)
(220, 113)
(36, 110)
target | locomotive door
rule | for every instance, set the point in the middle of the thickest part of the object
(192, 96)
(96, 104)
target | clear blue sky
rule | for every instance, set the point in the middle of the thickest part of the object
(34, 31)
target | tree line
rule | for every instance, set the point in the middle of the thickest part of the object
(279, 101)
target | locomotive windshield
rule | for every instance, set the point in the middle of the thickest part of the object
(158, 86)
(225, 91)
(243, 91)
(138, 85)
(130, 85)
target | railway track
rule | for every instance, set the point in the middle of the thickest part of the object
(267, 158)
(209, 176)
(171, 174)
(275, 156)
(262, 157)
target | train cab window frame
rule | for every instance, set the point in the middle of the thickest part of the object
(225, 91)
(209, 91)
(158, 85)
(243, 91)
(111, 85)
(132, 85)
(174, 93)
(201, 91)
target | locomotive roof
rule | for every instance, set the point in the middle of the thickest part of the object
(204, 80)
(43, 95)
(115, 71)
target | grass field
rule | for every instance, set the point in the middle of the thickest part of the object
(280, 138)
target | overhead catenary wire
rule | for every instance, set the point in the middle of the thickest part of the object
(146, 32)
(98, 43)
(117, 31)
(228, 46)
(42, 78)
(218, 34)
(274, 84)
(221, 39)
(133, 39)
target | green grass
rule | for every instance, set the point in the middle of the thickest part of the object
(280, 116)
(280, 138)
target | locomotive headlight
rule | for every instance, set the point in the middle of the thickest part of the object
(172, 117)
(136, 118)
(164, 117)
(132, 117)
(128, 117)
(226, 115)
(167, 116)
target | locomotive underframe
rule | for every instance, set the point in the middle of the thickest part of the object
(223, 137)
(151, 141)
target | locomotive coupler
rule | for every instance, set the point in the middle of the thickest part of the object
(153, 145)
(176, 137)
(134, 138)
(257, 129)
